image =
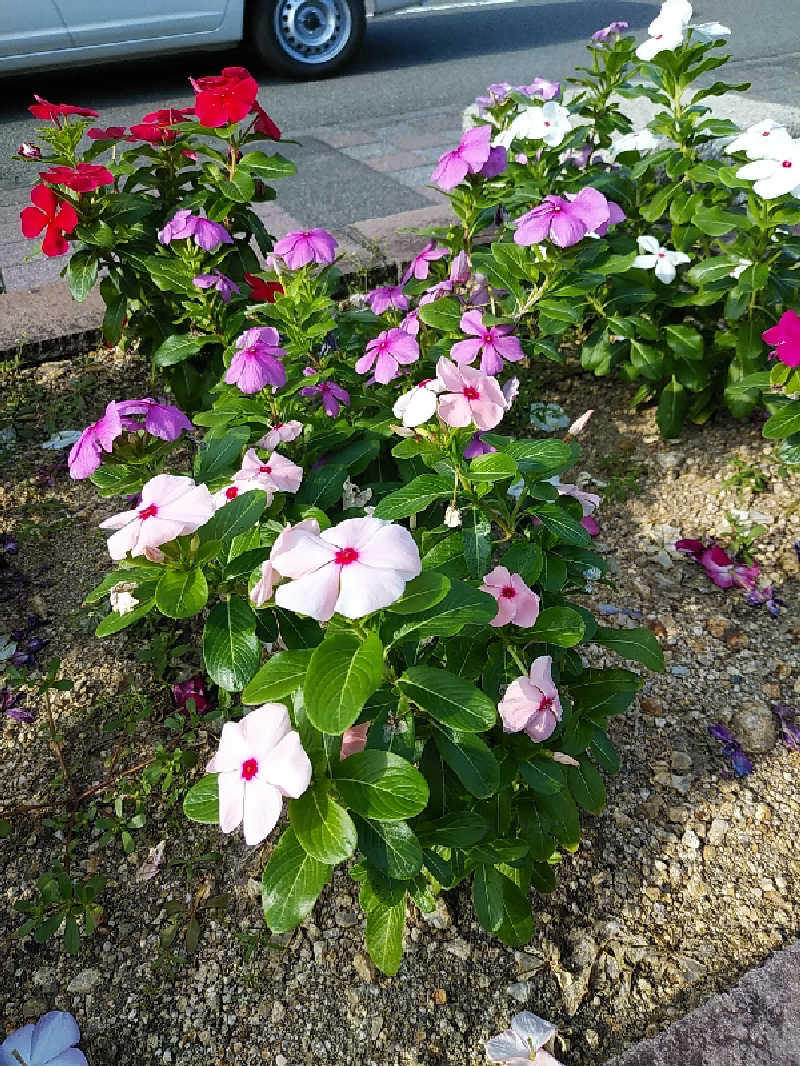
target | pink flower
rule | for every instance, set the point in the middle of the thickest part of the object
(785, 338)
(492, 343)
(353, 568)
(275, 474)
(590, 524)
(306, 246)
(257, 363)
(86, 453)
(471, 154)
(589, 501)
(192, 689)
(612, 29)
(532, 703)
(281, 432)
(565, 222)
(388, 351)
(170, 507)
(354, 740)
(331, 394)
(381, 299)
(542, 87)
(515, 601)
(436, 292)
(460, 272)
(418, 267)
(261, 592)
(260, 760)
(410, 323)
(477, 446)
(162, 420)
(471, 396)
(724, 572)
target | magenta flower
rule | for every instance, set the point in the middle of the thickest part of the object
(471, 396)
(492, 343)
(275, 474)
(170, 507)
(784, 336)
(478, 446)
(419, 265)
(591, 525)
(724, 572)
(515, 601)
(410, 323)
(257, 363)
(565, 222)
(224, 285)
(381, 299)
(207, 235)
(260, 760)
(613, 29)
(387, 352)
(281, 432)
(471, 154)
(161, 419)
(191, 689)
(532, 703)
(306, 246)
(333, 396)
(460, 272)
(86, 453)
(353, 568)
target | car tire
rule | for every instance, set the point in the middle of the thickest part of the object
(307, 38)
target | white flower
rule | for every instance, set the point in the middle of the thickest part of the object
(662, 260)
(452, 517)
(418, 405)
(642, 141)
(549, 123)
(528, 1035)
(667, 29)
(710, 31)
(122, 602)
(762, 140)
(740, 268)
(777, 175)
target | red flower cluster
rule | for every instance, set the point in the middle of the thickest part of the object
(224, 98)
(154, 128)
(44, 109)
(263, 290)
(56, 217)
(84, 178)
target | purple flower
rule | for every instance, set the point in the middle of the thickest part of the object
(565, 222)
(224, 285)
(207, 234)
(459, 269)
(388, 351)
(477, 446)
(542, 88)
(191, 689)
(436, 292)
(732, 750)
(51, 1042)
(492, 343)
(495, 164)
(161, 419)
(790, 729)
(468, 158)
(257, 363)
(306, 246)
(410, 323)
(612, 29)
(579, 157)
(331, 394)
(8, 544)
(724, 572)
(756, 597)
(16, 711)
(381, 299)
(418, 267)
(86, 453)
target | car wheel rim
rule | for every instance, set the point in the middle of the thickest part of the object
(312, 31)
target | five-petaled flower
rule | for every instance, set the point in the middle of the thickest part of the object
(224, 98)
(568, 221)
(279, 433)
(419, 265)
(86, 453)
(761, 139)
(613, 29)
(387, 352)
(333, 396)
(515, 601)
(224, 285)
(492, 343)
(532, 703)
(170, 507)
(469, 397)
(784, 337)
(257, 361)
(83, 178)
(776, 172)
(667, 30)
(56, 217)
(523, 1044)
(353, 568)
(207, 234)
(50, 1042)
(661, 260)
(469, 157)
(274, 474)
(386, 297)
(260, 760)
(301, 247)
(549, 123)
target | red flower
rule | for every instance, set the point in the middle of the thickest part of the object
(44, 109)
(264, 124)
(54, 216)
(168, 116)
(263, 290)
(224, 98)
(112, 133)
(84, 178)
(153, 134)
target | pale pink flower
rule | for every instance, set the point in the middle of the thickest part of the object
(261, 592)
(353, 568)
(387, 352)
(230, 492)
(470, 398)
(565, 760)
(275, 474)
(354, 740)
(468, 158)
(589, 501)
(532, 703)
(418, 405)
(260, 760)
(170, 507)
(492, 343)
(523, 1043)
(515, 601)
(280, 433)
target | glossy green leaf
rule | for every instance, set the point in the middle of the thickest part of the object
(221, 456)
(201, 802)
(231, 649)
(487, 897)
(381, 785)
(342, 674)
(180, 346)
(325, 830)
(280, 676)
(471, 760)
(414, 497)
(637, 644)
(558, 625)
(585, 782)
(291, 882)
(391, 847)
(421, 594)
(182, 593)
(449, 699)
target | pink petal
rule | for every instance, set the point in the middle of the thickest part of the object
(301, 554)
(393, 548)
(466, 351)
(288, 767)
(262, 809)
(455, 410)
(517, 705)
(231, 799)
(314, 594)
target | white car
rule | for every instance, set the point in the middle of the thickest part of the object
(298, 38)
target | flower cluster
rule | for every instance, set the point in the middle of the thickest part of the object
(160, 420)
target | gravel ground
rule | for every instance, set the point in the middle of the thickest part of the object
(688, 879)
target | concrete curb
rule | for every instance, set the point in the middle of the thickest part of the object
(757, 1023)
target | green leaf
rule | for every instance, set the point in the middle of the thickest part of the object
(461, 829)
(231, 649)
(268, 167)
(637, 644)
(603, 750)
(477, 540)
(415, 496)
(684, 341)
(471, 760)
(516, 928)
(462, 604)
(342, 674)
(562, 813)
(707, 271)
(421, 594)
(543, 775)
(222, 455)
(238, 516)
(180, 346)
(391, 847)
(291, 882)
(784, 423)
(496, 466)
(72, 936)
(323, 487)
(381, 785)
(325, 830)
(558, 625)
(715, 221)
(280, 676)
(384, 934)
(672, 408)
(586, 784)
(182, 593)
(444, 314)
(487, 897)
(113, 622)
(449, 699)
(201, 802)
(559, 522)
(82, 273)
(540, 457)
(524, 558)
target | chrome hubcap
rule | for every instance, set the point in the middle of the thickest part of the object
(312, 31)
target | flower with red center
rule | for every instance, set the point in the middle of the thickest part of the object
(281, 432)
(492, 343)
(261, 290)
(56, 217)
(469, 396)
(784, 337)
(224, 98)
(44, 109)
(565, 222)
(263, 123)
(353, 568)
(387, 352)
(515, 601)
(532, 703)
(84, 178)
(170, 507)
(277, 474)
(260, 760)
(257, 361)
